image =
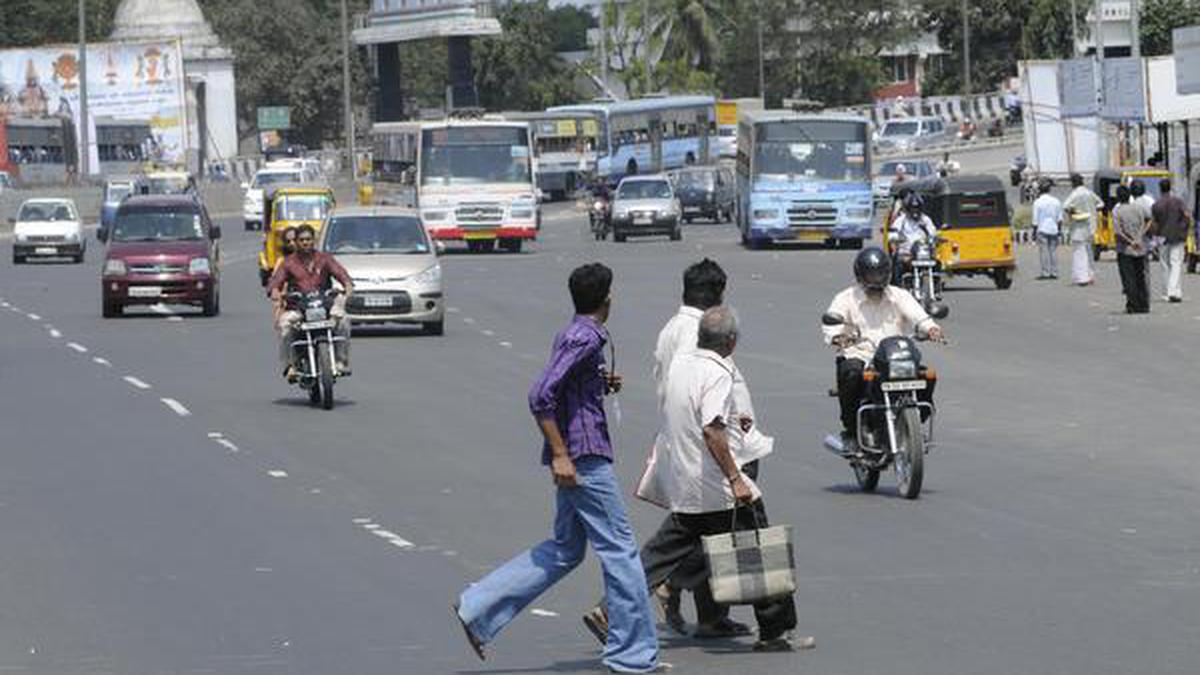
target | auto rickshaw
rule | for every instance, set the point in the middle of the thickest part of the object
(289, 205)
(1105, 185)
(974, 229)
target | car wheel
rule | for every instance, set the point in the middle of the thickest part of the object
(618, 237)
(434, 327)
(110, 309)
(212, 303)
(677, 233)
(78, 258)
(17, 259)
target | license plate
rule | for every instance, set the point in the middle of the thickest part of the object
(377, 301)
(811, 236)
(145, 291)
(317, 325)
(643, 220)
(45, 250)
(691, 209)
(477, 236)
(904, 385)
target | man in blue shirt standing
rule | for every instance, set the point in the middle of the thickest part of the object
(567, 402)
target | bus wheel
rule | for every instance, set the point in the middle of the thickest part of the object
(631, 168)
(690, 159)
(511, 245)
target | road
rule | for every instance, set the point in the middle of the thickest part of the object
(169, 505)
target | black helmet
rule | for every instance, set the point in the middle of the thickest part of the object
(913, 202)
(873, 268)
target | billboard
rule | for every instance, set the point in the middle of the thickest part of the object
(140, 81)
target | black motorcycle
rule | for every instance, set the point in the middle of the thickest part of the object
(923, 277)
(313, 350)
(600, 217)
(895, 417)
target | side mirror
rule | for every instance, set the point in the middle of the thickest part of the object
(939, 311)
(214, 231)
(832, 319)
(102, 234)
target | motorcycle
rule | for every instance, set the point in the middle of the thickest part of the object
(924, 277)
(313, 350)
(600, 218)
(895, 420)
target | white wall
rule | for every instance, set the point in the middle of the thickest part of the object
(220, 105)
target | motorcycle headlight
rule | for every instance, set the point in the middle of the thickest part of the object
(598, 206)
(902, 370)
(314, 314)
(432, 275)
(199, 266)
(766, 214)
(114, 267)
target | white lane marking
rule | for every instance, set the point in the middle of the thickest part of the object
(488, 333)
(371, 526)
(506, 343)
(77, 347)
(174, 317)
(361, 521)
(227, 444)
(135, 382)
(215, 434)
(387, 535)
(176, 406)
(452, 310)
(101, 361)
(34, 317)
(467, 319)
(55, 333)
(277, 473)
(542, 612)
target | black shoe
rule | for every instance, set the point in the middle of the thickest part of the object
(667, 600)
(1175, 300)
(725, 628)
(471, 638)
(596, 620)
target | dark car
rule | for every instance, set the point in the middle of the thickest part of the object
(705, 192)
(161, 249)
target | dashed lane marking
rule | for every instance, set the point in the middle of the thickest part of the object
(135, 382)
(542, 612)
(506, 344)
(277, 473)
(100, 361)
(227, 444)
(55, 333)
(176, 407)
(488, 333)
(34, 317)
(77, 347)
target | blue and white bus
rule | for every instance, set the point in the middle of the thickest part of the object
(804, 178)
(649, 135)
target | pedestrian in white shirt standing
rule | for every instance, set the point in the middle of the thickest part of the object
(1081, 207)
(1047, 220)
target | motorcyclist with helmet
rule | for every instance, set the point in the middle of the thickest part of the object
(871, 310)
(907, 228)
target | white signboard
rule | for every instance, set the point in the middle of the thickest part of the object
(1054, 145)
(1186, 44)
(1163, 101)
(140, 81)
(1124, 90)
(1077, 85)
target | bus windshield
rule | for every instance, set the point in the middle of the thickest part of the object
(811, 149)
(474, 155)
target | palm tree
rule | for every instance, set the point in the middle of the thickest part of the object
(687, 30)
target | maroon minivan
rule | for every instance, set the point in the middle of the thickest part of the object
(161, 249)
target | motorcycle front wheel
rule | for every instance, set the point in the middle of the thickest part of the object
(910, 453)
(324, 381)
(868, 478)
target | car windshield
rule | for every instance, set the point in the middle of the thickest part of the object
(699, 179)
(43, 212)
(644, 189)
(168, 186)
(157, 226)
(470, 156)
(900, 129)
(274, 178)
(376, 234)
(302, 207)
(116, 193)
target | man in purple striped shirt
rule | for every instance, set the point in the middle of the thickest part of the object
(567, 402)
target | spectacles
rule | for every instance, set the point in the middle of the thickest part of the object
(305, 239)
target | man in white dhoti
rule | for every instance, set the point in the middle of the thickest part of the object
(1081, 207)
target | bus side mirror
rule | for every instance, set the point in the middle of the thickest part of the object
(102, 234)
(214, 231)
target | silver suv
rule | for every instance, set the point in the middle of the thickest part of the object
(912, 133)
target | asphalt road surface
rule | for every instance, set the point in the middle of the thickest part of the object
(169, 505)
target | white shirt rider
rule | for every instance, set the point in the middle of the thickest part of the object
(875, 317)
(908, 230)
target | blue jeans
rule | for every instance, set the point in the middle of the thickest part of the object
(591, 512)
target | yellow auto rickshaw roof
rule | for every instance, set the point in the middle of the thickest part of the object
(297, 189)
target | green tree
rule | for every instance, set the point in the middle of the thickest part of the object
(842, 48)
(687, 31)
(737, 73)
(26, 23)
(1160, 17)
(519, 69)
(570, 25)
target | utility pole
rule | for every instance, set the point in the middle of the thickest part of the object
(604, 43)
(646, 41)
(966, 50)
(82, 136)
(346, 97)
(1074, 30)
(1098, 11)
(1135, 29)
(762, 86)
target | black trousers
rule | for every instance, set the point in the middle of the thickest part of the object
(774, 618)
(1134, 283)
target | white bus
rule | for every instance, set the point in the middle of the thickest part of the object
(564, 149)
(471, 179)
(649, 135)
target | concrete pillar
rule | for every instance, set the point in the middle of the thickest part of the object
(462, 74)
(389, 96)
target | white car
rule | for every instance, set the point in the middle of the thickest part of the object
(48, 228)
(252, 204)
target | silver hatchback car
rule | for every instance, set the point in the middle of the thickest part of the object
(646, 205)
(904, 134)
(394, 265)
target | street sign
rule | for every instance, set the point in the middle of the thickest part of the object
(1124, 90)
(1186, 42)
(1077, 88)
(274, 118)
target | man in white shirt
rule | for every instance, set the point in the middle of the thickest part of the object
(1047, 221)
(702, 481)
(910, 226)
(870, 311)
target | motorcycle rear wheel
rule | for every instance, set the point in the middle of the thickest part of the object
(324, 381)
(910, 453)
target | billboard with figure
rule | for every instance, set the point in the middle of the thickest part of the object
(140, 81)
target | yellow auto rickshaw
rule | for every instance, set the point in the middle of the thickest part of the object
(1105, 185)
(289, 205)
(974, 229)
